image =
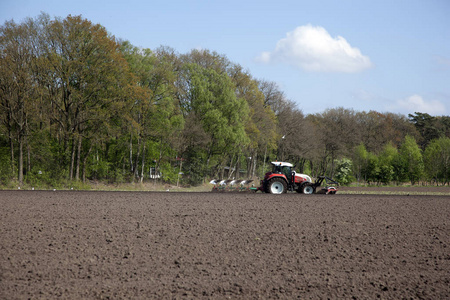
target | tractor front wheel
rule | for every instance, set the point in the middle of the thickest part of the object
(308, 189)
(277, 186)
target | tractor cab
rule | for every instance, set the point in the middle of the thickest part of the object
(283, 168)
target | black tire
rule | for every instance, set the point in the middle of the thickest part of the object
(308, 189)
(277, 186)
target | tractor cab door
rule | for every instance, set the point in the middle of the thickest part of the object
(287, 171)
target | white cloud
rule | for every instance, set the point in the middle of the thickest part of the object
(313, 49)
(416, 103)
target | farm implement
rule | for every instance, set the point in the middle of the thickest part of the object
(232, 186)
(281, 180)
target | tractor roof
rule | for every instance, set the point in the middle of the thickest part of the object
(282, 164)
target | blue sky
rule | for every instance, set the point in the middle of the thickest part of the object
(388, 56)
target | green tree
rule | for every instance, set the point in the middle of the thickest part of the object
(426, 126)
(437, 160)
(17, 85)
(209, 99)
(360, 161)
(386, 159)
(260, 126)
(155, 113)
(372, 170)
(344, 171)
(88, 79)
(412, 160)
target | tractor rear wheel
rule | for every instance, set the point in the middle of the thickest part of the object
(277, 186)
(308, 189)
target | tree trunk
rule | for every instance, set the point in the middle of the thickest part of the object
(230, 170)
(131, 153)
(158, 164)
(84, 164)
(181, 164)
(264, 163)
(20, 175)
(254, 161)
(143, 162)
(136, 163)
(11, 142)
(207, 168)
(77, 172)
(28, 157)
(238, 167)
(72, 160)
(223, 171)
(312, 165)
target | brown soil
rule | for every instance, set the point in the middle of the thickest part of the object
(417, 189)
(141, 245)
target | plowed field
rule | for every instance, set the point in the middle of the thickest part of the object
(141, 245)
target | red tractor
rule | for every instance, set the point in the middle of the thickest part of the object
(283, 178)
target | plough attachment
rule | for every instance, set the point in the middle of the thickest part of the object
(329, 189)
(232, 186)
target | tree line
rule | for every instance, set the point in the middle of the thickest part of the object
(77, 104)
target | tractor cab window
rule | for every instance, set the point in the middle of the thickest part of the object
(287, 171)
(276, 169)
